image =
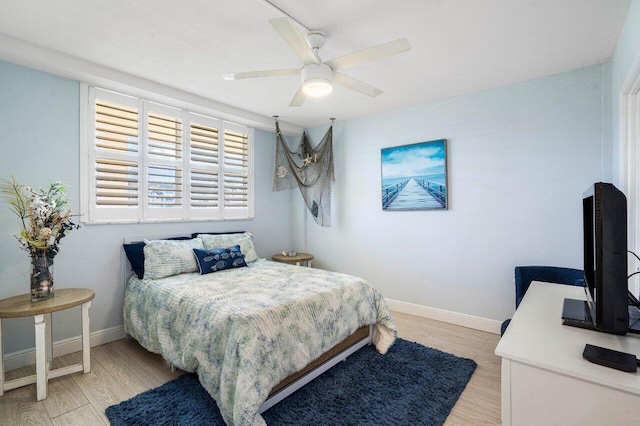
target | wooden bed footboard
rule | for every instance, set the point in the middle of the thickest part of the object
(324, 362)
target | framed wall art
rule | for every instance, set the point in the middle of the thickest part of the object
(414, 177)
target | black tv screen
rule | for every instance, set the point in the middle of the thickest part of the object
(605, 256)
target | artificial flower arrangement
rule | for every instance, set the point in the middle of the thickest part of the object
(45, 219)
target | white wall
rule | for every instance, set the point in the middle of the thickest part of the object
(520, 158)
(39, 136)
(626, 54)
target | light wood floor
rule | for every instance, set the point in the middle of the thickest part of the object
(122, 369)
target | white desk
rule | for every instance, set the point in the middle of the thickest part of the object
(545, 380)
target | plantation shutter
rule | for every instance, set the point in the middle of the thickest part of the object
(147, 162)
(116, 183)
(114, 158)
(203, 174)
(164, 162)
(236, 171)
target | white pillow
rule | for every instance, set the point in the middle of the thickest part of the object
(163, 258)
(245, 241)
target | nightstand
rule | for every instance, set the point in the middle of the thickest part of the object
(21, 306)
(297, 259)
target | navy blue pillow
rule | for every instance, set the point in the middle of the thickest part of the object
(135, 254)
(215, 260)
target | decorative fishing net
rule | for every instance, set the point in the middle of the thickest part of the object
(308, 168)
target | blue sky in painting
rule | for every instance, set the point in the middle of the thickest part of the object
(420, 159)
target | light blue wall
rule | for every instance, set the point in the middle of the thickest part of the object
(39, 135)
(520, 157)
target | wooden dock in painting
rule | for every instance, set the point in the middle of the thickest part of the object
(414, 194)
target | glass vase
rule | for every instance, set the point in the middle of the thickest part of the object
(41, 277)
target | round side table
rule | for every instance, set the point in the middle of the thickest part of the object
(297, 259)
(22, 306)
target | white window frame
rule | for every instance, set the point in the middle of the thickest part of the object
(630, 163)
(94, 214)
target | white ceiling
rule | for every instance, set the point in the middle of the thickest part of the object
(459, 46)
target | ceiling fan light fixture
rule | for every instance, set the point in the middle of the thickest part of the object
(317, 87)
(316, 80)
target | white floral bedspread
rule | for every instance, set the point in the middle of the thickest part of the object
(244, 330)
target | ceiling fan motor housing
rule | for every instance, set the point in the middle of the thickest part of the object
(317, 71)
(316, 39)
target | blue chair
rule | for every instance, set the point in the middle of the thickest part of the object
(551, 274)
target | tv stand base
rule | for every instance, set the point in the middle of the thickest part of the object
(576, 313)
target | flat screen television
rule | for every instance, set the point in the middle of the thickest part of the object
(604, 210)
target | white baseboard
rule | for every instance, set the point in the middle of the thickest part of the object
(464, 320)
(26, 357)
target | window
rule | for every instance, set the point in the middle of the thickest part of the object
(146, 162)
(629, 164)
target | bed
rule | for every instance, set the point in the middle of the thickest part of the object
(253, 334)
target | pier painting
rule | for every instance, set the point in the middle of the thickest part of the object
(414, 177)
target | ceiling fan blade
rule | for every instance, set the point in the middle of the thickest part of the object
(266, 73)
(372, 53)
(298, 98)
(295, 39)
(357, 85)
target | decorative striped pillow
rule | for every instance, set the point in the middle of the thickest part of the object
(164, 258)
(245, 241)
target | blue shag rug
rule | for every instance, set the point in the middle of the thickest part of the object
(410, 385)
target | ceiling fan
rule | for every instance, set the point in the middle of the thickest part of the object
(318, 77)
